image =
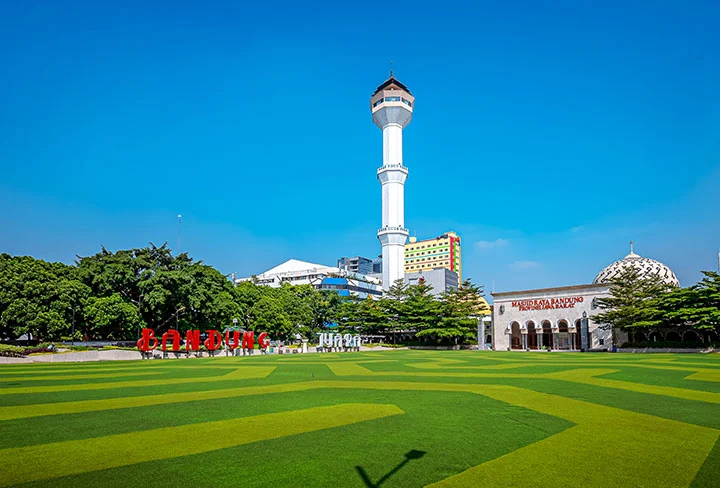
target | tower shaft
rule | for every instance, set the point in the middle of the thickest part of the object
(391, 106)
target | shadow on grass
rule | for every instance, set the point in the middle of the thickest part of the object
(409, 456)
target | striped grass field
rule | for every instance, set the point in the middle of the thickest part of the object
(395, 418)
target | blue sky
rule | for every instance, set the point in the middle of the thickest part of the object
(546, 136)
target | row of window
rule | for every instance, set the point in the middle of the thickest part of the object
(425, 253)
(392, 99)
(427, 264)
(425, 260)
(351, 288)
(434, 244)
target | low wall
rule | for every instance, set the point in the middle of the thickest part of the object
(85, 356)
(4, 360)
(662, 349)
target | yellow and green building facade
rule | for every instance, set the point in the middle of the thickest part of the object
(440, 252)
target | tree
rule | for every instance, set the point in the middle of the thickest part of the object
(420, 310)
(697, 306)
(633, 302)
(268, 316)
(295, 301)
(459, 310)
(376, 317)
(247, 294)
(110, 317)
(165, 290)
(325, 307)
(38, 298)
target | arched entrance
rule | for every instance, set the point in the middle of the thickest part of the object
(673, 336)
(532, 337)
(547, 336)
(563, 335)
(637, 336)
(709, 336)
(691, 336)
(515, 337)
(654, 336)
(576, 336)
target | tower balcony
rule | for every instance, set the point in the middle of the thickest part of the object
(392, 173)
(388, 167)
(393, 228)
(393, 235)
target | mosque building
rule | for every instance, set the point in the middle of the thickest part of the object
(561, 318)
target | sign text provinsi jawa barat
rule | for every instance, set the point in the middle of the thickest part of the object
(547, 303)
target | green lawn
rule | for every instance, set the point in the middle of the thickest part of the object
(395, 418)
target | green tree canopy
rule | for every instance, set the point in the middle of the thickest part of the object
(633, 302)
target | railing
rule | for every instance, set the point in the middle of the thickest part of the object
(392, 166)
(393, 228)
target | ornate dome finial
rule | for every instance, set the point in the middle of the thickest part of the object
(632, 254)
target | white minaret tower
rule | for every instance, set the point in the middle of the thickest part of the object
(392, 108)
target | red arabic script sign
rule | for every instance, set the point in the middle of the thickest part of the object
(148, 341)
(547, 303)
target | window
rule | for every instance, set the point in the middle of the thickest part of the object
(407, 102)
(377, 103)
(392, 99)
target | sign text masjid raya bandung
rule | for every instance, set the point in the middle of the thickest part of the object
(547, 304)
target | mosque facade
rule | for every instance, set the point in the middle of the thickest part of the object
(560, 318)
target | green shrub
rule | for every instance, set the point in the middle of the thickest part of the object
(9, 351)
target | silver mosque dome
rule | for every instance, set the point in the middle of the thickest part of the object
(646, 267)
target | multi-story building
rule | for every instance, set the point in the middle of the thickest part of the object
(356, 285)
(441, 252)
(377, 265)
(440, 280)
(321, 277)
(357, 264)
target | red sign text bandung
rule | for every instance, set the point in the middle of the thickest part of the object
(215, 340)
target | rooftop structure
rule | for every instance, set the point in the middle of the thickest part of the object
(440, 279)
(319, 276)
(356, 264)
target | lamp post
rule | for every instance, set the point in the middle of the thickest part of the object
(179, 228)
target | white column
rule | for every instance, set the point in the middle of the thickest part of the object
(393, 203)
(392, 144)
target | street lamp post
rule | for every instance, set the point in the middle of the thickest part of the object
(179, 229)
